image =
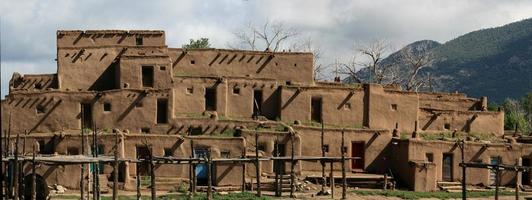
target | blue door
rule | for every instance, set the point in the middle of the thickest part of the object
(201, 169)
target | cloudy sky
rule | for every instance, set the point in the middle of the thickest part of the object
(28, 26)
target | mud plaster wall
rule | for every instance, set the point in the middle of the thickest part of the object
(467, 121)
(474, 152)
(33, 82)
(448, 101)
(382, 115)
(131, 71)
(376, 144)
(130, 110)
(296, 67)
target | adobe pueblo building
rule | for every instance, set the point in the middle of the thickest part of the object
(186, 103)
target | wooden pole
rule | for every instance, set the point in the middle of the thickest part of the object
(94, 165)
(332, 181)
(292, 163)
(82, 174)
(15, 169)
(138, 182)
(243, 171)
(497, 180)
(115, 168)
(344, 181)
(152, 176)
(193, 188)
(33, 175)
(464, 189)
(209, 175)
(324, 180)
(518, 178)
(277, 170)
(257, 163)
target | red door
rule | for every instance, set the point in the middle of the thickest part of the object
(357, 150)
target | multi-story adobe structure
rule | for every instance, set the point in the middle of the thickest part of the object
(131, 82)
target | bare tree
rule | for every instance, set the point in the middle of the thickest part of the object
(349, 69)
(307, 45)
(415, 60)
(269, 36)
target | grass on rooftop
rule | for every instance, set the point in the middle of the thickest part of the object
(438, 195)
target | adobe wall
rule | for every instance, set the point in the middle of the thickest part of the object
(474, 152)
(130, 71)
(32, 82)
(466, 121)
(294, 67)
(376, 147)
(93, 55)
(130, 109)
(448, 101)
(383, 115)
(340, 105)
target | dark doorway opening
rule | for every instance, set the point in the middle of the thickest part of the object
(40, 187)
(357, 150)
(147, 76)
(257, 103)
(316, 106)
(210, 99)
(525, 180)
(279, 165)
(143, 167)
(201, 169)
(162, 111)
(447, 169)
(86, 115)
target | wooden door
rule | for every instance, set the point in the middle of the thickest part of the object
(447, 167)
(357, 150)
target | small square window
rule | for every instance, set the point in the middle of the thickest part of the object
(344, 150)
(262, 147)
(106, 107)
(40, 109)
(195, 130)
(168, 152)
(394, 107)
(429, 157)
(236, 90)
(139, 40)
(347, 106)
(193, 62)
(139, 104)
(447, 126)
(163, 68)
(225, 154)
(190, 90)
(326, 148)
(145, 130)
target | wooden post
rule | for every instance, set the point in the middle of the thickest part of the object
(15, 169)
(115, 169)
(518, 178)
(243, 172)
(138, 181)
(82, 174)
(209, 175)
(257, 163)
(152, 176)
(464, 189)
(385, 186)
(292, 163)
(497, 180)
(193, 168)
(33, 175)
(324, 180)
(276, 170)
(344, 181)
(332, 181)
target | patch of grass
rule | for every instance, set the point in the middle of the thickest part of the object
(438, 195)
(199, 196)
(461, 135)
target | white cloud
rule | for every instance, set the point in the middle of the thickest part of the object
(28, 27)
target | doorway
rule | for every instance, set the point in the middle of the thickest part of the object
(493, 174)
(525, 180)
(143, 167)
(147, 76)
(201, 169)
(279, 151)
(162, 111)
(315, 109)
(447, 168)
(86, 115)
(210, 99)
(357, 150)
(257, 102)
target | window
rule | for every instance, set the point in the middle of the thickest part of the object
(315, 109)
(145, 130)
(447, 126)
(162, 108)
(72, 151)
(429, 157)
(225, 154)
(236, 90)
(394, 107)
(210, 99)
(147, 76)
(46, 148)
(193, 62)
(162, 68)
(262, 147)
(139, 104)
(106, 107)
(40, 109)
(38, 86)
(168, 152)
(195, 130)
(190, 90)
(326, 148)
(139, 40)
(347, 106)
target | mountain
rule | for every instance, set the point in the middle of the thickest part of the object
(494, 62)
